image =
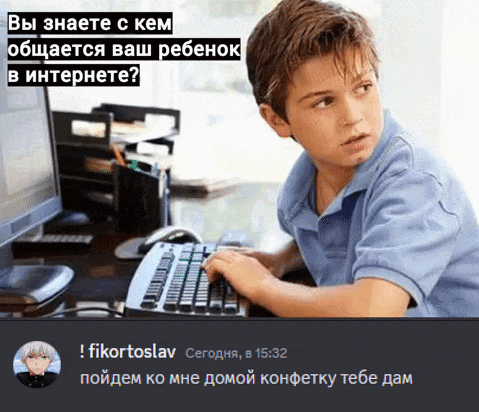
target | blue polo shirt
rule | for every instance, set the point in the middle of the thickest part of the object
(404, 217)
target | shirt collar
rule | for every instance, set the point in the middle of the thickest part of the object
(293, 199)
(363, 173)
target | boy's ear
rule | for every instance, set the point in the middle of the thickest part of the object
(278, 124)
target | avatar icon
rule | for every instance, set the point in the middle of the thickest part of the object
(37, 357)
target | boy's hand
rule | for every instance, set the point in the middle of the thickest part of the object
(245, 273)
(270, 261)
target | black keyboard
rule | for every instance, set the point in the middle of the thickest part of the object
(53, 243)
(170, 283)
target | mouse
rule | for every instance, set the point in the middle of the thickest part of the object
(170, 234)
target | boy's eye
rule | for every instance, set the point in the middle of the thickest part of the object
(364, 88)
(325, 102)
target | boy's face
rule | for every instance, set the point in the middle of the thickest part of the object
(37, 364)
(336, 119)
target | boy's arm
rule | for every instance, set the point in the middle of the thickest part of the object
(287, 259)
(367, 297)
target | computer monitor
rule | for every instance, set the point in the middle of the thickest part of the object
(29, 187)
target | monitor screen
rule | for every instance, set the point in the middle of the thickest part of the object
(29, 190)
(29, 185)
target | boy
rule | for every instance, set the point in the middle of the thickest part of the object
(381, 224)
(37, 357)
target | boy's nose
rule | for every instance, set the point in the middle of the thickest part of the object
(351, 113)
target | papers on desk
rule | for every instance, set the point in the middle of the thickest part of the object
(202, 186)
(123, 132)
(137, 132)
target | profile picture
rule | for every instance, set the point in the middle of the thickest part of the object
(37, 364)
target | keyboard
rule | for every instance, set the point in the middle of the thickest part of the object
(170, 283)
(53, 243)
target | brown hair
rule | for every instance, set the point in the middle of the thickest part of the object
(296, 31)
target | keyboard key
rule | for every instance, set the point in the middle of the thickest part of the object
(148, 303)
(231, 300)
(199, 248)
(197, 257)
(216, 297)
(200, 306)
(209, 249)
(185, 256)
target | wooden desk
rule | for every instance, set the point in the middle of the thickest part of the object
(102, 280)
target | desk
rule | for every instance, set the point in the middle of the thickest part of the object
(102, 280)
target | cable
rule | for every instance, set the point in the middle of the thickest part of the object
(75, 310)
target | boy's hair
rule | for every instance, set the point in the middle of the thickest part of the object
(37, 348)
(296, 31)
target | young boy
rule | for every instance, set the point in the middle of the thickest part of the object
(37, 357)
(379, 221)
